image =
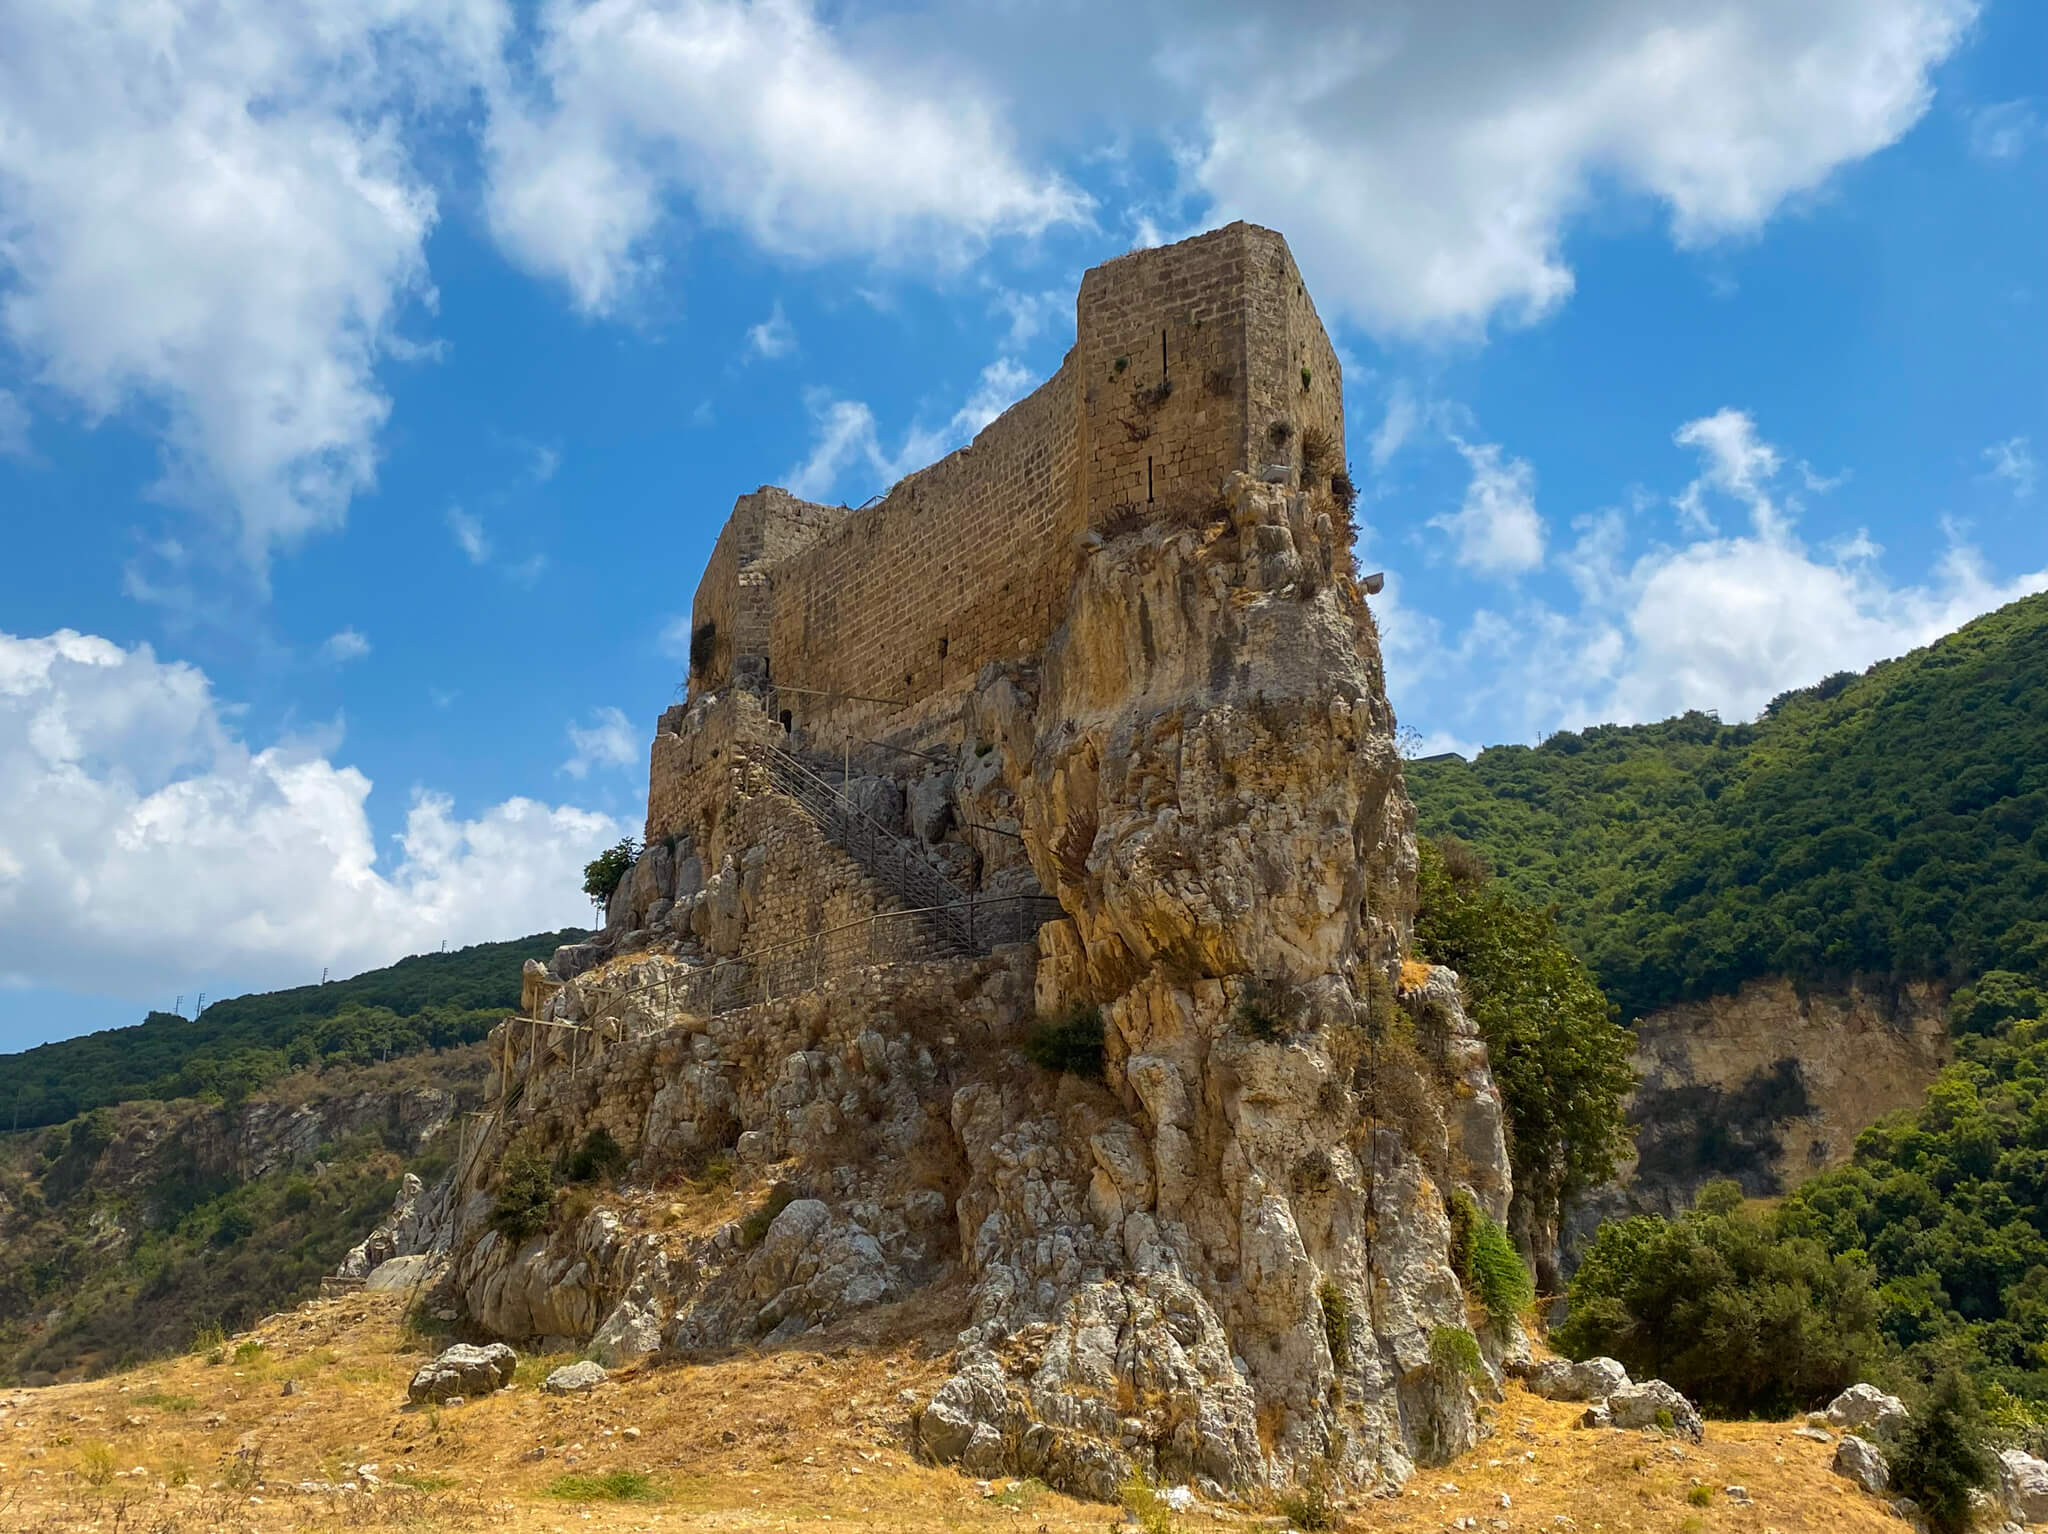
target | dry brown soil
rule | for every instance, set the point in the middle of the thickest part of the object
(807, 1438)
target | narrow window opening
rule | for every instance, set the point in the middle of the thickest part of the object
(1162, 356)
(1148, 478)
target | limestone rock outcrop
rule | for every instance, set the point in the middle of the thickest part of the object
(1222, 1258)
(1861, 1461)
(464, 1370)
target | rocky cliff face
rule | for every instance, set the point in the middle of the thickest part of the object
(1767, 1086)
(1226, 1260)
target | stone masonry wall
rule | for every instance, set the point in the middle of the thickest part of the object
(964, 562)
(1191, 362)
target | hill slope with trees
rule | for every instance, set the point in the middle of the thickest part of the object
(1893, 824)
(429, 1001)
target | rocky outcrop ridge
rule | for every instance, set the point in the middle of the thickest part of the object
(1226, 1261)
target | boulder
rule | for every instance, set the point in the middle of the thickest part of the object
(2023, 1486)
(931, 806)
(574, 1379)
(464, 1371)
(1861, 1461)
(1865, 1406)
(1559, 1379)
(1640, 1406)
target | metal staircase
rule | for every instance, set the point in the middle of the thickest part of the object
(960, 922)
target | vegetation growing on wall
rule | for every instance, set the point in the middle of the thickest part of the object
(429, 1001)
(1893, 824)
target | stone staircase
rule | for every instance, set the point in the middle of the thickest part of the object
(959, 921)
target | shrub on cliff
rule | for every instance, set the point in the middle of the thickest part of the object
(526, 1193)
(1071, 1043)
(1486, 1261)
(1741, 1317)
(1560, 1061)
(603, 874)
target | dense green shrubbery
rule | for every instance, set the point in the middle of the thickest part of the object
(1949, 1205)
(1561, 1063)
(1940, 1455)
(1927, 1253)
(430, 1001)
(1740, 1317)
(1893, 824)
(1072, 1043)
(604, 873)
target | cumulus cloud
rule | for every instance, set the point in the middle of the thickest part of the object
(767, 121)
(1497, 529)
(344, 647)
(1720, 622)
(207, 213)
(845, 436)
(606, 741)
(146, 848)
(1426, 161)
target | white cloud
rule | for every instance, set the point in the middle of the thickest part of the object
(344, 647)
(2004, 130)
(1497, 529)
(607, 741)
(122, 780)
(1425, 162)
(773, 337)
(13, 426)
(767, 121)
(2012, 461)
(469, 535)
(1720, 622)
(1737, 463)
(846, 437)
(208, 216)
(1395, 427)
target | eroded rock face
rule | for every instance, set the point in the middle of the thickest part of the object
(2023, 1486)
(1223, 1263)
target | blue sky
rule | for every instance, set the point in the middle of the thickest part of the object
(374, 379)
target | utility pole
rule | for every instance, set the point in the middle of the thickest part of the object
(201, 1007)
(178, 1006)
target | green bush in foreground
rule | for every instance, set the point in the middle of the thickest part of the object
(1744, 1319)
(1940, 1456)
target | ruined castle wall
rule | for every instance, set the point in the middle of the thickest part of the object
(1162, 357)
(964, 562)
(733, 595)
(1292, 369)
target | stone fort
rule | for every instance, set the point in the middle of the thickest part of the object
(1190, 361)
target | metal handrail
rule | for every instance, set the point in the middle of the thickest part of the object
(784, 969)
(891, 860)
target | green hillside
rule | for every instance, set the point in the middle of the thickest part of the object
(429, 1001)
(1893, 824)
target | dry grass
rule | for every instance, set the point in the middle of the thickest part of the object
(807, 1438)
